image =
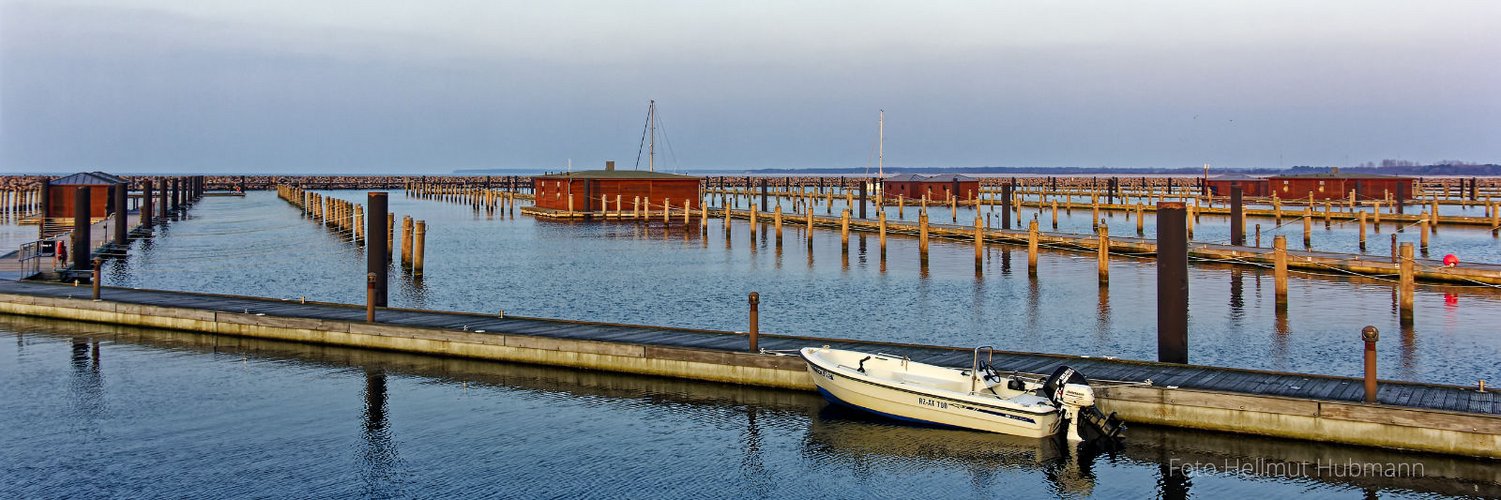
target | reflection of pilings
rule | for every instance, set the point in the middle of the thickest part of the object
(380, 452)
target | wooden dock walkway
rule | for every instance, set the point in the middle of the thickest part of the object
(1219, 379)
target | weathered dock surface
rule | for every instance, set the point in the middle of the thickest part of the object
(1429, 417)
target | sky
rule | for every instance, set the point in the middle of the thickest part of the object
(370, 86)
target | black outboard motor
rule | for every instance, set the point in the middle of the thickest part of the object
(1070, 390)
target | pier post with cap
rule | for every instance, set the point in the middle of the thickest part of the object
(1172, 283)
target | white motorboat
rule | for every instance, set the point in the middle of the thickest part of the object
(978, 398)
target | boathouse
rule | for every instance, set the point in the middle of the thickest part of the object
(935, 187)
(1335, 185)
(571, 194)
(60, 194)
(1220, 185)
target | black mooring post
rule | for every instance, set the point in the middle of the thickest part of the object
(1474, 190)
(763, 195)
(81, 209)
(863, 184)
(375, 244)
(1237, 231)
(121, 219)
(176, 194)
(1172, 283)
(166, 193)
(147, 204)
(1006, 206)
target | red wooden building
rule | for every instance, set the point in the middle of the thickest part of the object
(1335, 185)
(588, 191)
(935, 187)
(1219, 185)
(101, 203)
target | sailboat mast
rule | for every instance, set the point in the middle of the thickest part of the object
(651, 155)
(881, 149)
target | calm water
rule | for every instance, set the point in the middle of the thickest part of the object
(94, 411)
(626, 272)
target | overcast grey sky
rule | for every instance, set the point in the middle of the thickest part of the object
(360, 86)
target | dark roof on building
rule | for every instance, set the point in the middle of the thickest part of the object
(1336, 175)
(616, 174)
(949, 178)
(88, 179)
(903, 178)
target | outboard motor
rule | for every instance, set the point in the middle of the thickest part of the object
(1068, 389)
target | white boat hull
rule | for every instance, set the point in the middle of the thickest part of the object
(916, 403)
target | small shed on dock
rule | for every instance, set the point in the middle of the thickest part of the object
(60, 194)
(1335, 185)
(1219, 185)
(574, 193)
(935, 187)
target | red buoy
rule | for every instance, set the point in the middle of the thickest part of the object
(1450, 260)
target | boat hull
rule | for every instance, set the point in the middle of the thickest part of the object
(926, 407)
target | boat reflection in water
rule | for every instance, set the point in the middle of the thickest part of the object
(841, 433)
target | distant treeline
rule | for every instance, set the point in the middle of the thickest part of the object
(1416, 170)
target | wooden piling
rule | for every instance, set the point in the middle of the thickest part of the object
(1279, 270)
(418, 245)
(1362, 217)
(1423, 234)
(1103, 253)
(1237, 217)
(844, 229)
(777, 223)
(1032, 235)
(406, 241)
(979, 242)
(755, 322)
(1405, 283)
(80, 246)
(881, 227)
(1055, 214)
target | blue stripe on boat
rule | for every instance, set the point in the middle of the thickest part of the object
(916, 421)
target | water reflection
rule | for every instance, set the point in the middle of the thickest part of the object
(379, 454)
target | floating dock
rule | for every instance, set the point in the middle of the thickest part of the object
(1411, 416)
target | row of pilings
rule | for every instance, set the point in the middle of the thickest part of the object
(348, 221)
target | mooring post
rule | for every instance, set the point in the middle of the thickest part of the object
(1279, 270)
(1055, 214)
(146, 203)
(1405, 282)
(165, 205)
(863, 186)
(1362, 218)
(417, 247)
(1103, 253)
(370, 297)
(1370, 335)
(881, 225)
(1423, 237)
(764, 207)
(776, 221)
(1032, 237)
(390, 240)
(1308, 227)
(1006, 206)
(1172, 283)
(97, 265)
(81, 248)
(844, 229)
(755, 321)
(1237, 229)
(122, 219)
(406, 241)
(1258, 235)
(979, 242)
(377, 256)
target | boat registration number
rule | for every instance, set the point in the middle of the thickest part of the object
(933, 402)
